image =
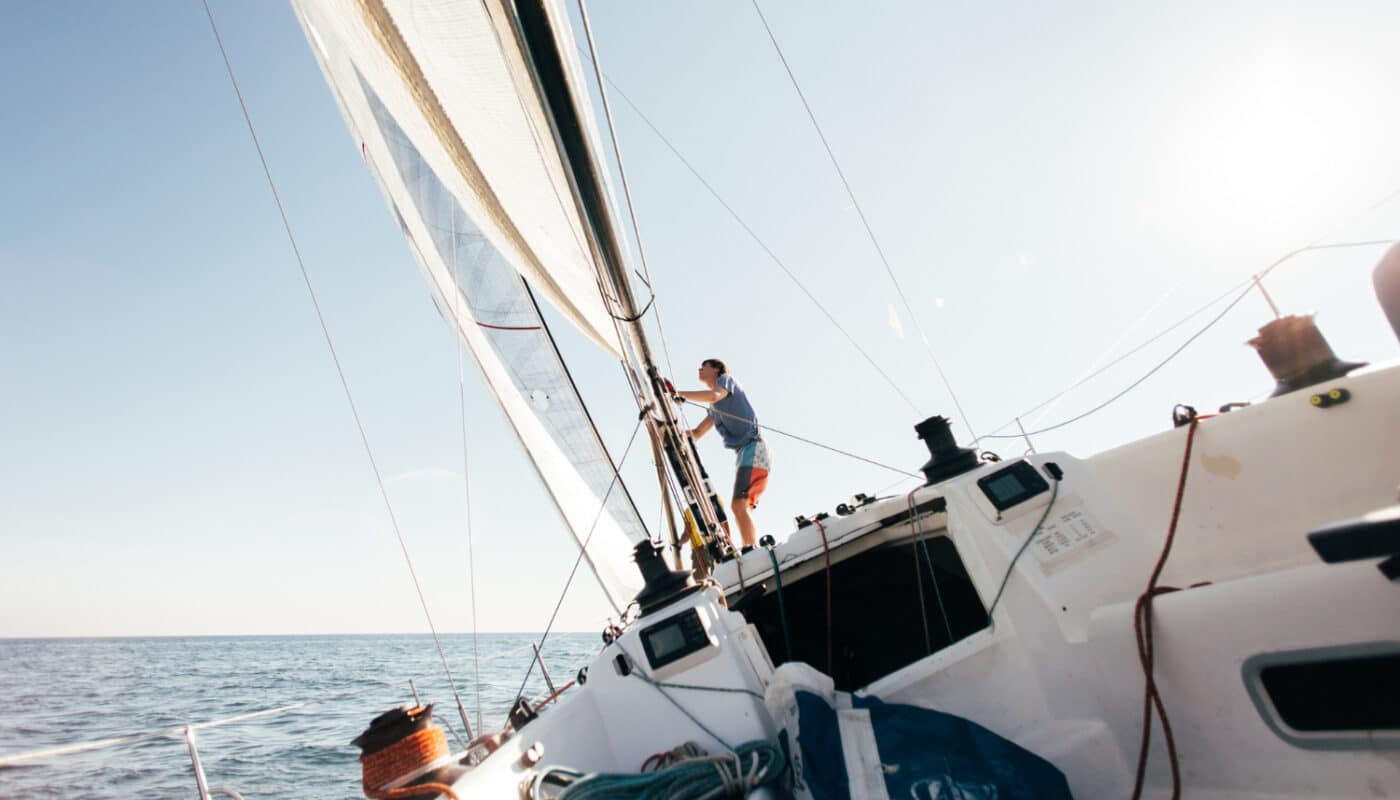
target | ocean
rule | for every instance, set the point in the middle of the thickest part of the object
(56, 692)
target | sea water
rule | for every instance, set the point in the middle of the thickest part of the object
(56, 692)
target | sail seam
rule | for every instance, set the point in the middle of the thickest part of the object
(443, 284)
(386, 32)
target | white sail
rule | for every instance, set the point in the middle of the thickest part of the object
(476, 245)
(452, 75)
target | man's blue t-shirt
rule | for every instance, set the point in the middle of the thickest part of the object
(733, 416)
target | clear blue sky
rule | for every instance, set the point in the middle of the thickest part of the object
(1051, 187)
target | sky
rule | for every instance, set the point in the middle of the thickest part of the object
(1051, 188)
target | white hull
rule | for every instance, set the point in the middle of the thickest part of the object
(1058, 671)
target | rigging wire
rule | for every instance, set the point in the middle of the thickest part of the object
(1248, 287)
(466, 466)
(667, 481)
(805, 440)
(626, 187)
(759, 241)
(1099, 371)
(330, 346)
(582, 550)
(860, 212)
(1118, 342)
(1310, 246)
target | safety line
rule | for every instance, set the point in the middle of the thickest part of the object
(1248, 287)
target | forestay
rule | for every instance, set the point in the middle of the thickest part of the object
(470, 170)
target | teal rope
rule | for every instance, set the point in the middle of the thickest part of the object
(1054, 493)
(695, 779)
(683, 710)
(694, 688)
(782, 609)
(753, 764)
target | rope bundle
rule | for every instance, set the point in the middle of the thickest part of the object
(751, 765)
(415, 751)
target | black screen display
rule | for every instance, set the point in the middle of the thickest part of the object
(663, 642)
(1005, 487)
(675, 638)
(1015, 484)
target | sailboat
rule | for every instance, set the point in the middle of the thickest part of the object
(1198, 612)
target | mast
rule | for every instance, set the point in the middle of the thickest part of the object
(534, 26)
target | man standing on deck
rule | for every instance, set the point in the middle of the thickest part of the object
(732, 415)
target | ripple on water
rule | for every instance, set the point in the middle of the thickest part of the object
(82, 690)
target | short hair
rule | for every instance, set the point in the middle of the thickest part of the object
(717, 364)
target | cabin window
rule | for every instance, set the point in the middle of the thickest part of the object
(881, 608)
(1330, 698)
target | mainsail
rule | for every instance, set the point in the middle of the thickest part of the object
(450, 75)
(430, 90)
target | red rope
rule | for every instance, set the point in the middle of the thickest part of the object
(919, 570)
(826, 554)
(1142, 631)
(554, 696)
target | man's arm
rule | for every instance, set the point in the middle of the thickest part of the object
(705, 395)
(703, 428)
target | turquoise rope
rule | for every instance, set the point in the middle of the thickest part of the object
(756, 763)
(743, 768)
(683, 710)
(782, 609)
(694, 688)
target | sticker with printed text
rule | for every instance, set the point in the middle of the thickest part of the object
(1067, 535)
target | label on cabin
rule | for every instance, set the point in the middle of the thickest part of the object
(1069, 533)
